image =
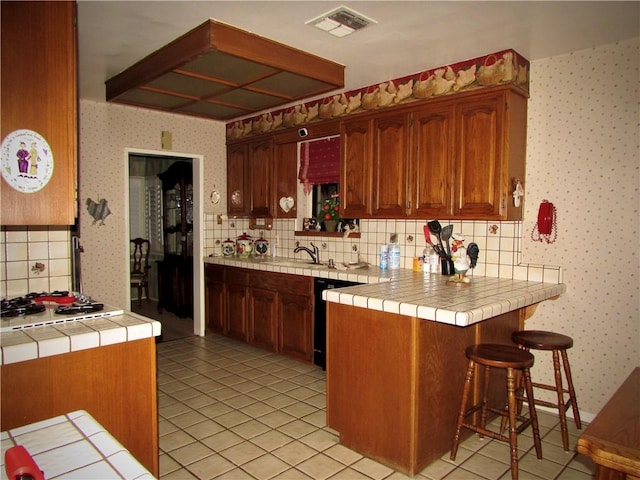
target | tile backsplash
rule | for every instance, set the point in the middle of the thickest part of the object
(499, 242)
(38, 259)
(34, 259)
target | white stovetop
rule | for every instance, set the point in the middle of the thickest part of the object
(49, 317)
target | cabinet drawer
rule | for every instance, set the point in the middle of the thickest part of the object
(282, 282)
(237, 276)
(214, 273)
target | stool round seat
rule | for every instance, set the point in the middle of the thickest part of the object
(542, 340)
(499, 356)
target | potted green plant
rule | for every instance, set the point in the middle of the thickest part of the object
(329, 213)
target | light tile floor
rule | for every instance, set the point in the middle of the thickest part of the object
(231, 411)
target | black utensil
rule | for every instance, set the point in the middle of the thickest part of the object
(436, 229)
(445, 234)
(440, 251)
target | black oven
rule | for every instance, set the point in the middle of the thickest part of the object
(320, 318)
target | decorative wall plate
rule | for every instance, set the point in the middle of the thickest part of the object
(215, 197)
(286, 204)
(27, 161)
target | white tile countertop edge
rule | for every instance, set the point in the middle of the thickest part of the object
(430, 297)
(74, 445)
(48, 340)
(414, 294)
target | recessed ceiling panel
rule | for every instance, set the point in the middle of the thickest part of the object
(289, 84)
(248, 99)
(186, 85)
(221, 72)
(204, 109)
(148, 98)
(221, 66)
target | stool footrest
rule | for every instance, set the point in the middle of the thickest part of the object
(551, 388)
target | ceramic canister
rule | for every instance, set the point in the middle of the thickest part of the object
(261, 247)
(228, 248)
(244, 245)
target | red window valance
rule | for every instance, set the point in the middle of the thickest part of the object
(319, 162)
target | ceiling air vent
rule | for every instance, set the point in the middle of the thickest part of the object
(341, 21)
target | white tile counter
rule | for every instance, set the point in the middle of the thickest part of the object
(45, 341)
(430, 297)
(415, 294)
(304, 267)
(74, 446)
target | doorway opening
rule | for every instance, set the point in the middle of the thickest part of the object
(164, 209)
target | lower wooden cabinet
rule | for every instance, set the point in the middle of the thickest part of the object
(263, 321)
(235, 300)
(296, 326)
(214, 298)
(273, 311)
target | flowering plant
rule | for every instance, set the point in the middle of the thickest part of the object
(329, 209)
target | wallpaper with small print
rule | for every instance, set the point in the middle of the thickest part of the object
(582, 155)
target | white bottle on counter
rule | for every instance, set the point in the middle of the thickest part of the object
(384, 257)
(434, 260)
(426, 259)
(394, 257)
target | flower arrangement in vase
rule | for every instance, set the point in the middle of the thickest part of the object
(329, 213)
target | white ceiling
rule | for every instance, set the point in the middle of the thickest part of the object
(410, 37)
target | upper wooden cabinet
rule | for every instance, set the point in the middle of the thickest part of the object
(39, 93)
(249, 181)
(259, 174)
(356, 168)
(456, 157)
(285, 178)
(490, 149)
(391, 163)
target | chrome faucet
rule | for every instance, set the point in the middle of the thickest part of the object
(315, 254)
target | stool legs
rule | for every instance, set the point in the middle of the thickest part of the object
(461, 415)
(532, 413)
(513, 432)
(572, 392)
(512, 409)
(562, 406)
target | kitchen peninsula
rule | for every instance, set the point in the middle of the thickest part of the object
(396, 363)
(106, 366)
(395, 351)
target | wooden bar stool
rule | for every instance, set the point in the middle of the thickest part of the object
(558, 344)
(511, 359)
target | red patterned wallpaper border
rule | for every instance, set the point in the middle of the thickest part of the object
(506, 66)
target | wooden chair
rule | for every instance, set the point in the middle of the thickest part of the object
(512, 360)
(140, 267)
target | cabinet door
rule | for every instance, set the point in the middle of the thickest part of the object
(285, 172)
(479, 157)
(39, 93)
(296, 320)
(390, 158)
(355, 176)
(237, 168)
(430, 167)
(260, 166)
(214, 298)
(263, 313)
(236, 302)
